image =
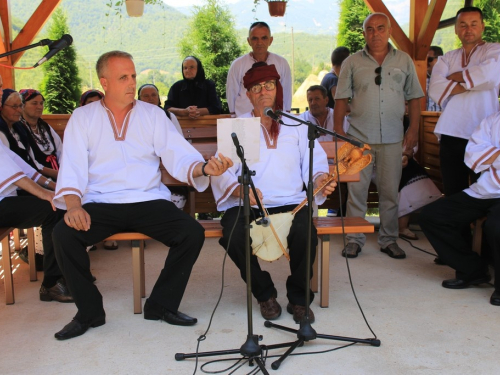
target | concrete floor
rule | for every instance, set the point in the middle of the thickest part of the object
(424, 328)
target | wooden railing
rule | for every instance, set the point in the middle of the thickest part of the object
(428, 147)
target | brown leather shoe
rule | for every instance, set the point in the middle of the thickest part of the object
(270, 309)
(58, 292)
(299, 312)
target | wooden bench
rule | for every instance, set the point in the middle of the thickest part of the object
(7, 263)
(326, 227)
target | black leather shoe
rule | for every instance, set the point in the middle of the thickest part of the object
(495, 298)
(153, 311)
(462, 284)
(439, 261)
(76, 328)
(58, 292)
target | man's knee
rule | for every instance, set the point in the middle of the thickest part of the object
(192, 231)
(61, 233)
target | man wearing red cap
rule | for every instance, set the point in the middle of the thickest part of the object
(281, 172)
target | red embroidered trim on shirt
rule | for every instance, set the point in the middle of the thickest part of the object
(469, 78)
(445, 92)
(190, 173)
(69, 189)
(8, 180)
(227, 192)
(486, 155)
(465, 58)
(267, 138)
(495, 175)
(113, 122)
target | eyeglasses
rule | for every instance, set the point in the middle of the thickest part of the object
(269, 85)
(14, 107)
(378, 78)
(430, 59)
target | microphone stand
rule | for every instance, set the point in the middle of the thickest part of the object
(306, 332)
(250, 349)
(43, 42)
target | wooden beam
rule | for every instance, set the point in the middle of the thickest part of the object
(6, 28)
(398, 36)
(36, 22)
(417, 14)
(6, 31)
(429, 26)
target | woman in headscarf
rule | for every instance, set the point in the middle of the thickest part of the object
(90, 96)
(194, 95)
(14, 135)
(44, 141)
(149, 93)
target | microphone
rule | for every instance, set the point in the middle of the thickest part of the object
(266, 221)
(235, 141)
(55, 47)
(268, 111)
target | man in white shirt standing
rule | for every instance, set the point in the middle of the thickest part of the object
(443, 220)
(465, 81)
(110, 182)
(260, 39)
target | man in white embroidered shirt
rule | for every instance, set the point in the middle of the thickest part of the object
(466, 82)
(280, 175)
(443, 220)
(260, 39)
(110, 182)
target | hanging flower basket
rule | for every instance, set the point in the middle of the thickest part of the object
(135, 8)
(276, 8)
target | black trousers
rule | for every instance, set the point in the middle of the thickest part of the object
(159, 219)
(262, 284)
(442, 222)
(457, 176)
(30, 211)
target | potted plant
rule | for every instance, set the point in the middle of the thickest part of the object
(135, 8)
(277, 7)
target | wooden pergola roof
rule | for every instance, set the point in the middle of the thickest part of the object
(25, 37)
(424, 21)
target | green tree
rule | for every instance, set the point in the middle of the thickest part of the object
(61, 83)
(352, 15)
(491, 14)
(212, 38)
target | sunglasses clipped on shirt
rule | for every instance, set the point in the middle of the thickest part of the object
(378, 78)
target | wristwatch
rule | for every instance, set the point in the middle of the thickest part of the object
(47, 182)
(203, 169)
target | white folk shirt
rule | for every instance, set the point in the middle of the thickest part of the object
(484, 142)
(12, 169)
(328, 124)
(481, 72)
(280, 174)
(236, 93)
(102, 166)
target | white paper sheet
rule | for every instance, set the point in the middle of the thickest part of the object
(248, 132)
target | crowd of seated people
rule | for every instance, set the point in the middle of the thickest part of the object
(102, 199)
